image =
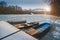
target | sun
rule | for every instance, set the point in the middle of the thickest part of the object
(47, 8)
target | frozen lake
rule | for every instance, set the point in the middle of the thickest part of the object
(54, 34)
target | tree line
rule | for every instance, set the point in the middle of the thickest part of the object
(4, 9)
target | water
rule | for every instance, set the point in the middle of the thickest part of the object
(54, 34)
(27, 17)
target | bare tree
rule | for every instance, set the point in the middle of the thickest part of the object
(55, 6)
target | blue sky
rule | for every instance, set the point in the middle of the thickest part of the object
(26, 4)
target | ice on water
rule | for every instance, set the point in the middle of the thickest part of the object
(56, 33)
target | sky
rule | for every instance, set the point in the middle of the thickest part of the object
(27, 4)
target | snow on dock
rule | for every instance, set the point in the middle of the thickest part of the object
(7, 29)
(20, 36)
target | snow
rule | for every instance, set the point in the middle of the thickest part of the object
(6, 29)
(20, 36)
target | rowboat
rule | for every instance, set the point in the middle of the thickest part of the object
(16, 21)
(25, 25)
(39, 28)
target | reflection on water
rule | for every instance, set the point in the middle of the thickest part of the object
(54, 34)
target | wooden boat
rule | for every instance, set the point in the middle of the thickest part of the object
(24, 25)
(16, 21)
(39, 28)
(20, 26)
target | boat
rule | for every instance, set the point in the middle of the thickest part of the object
(20, 26)
(39, 28)
(25, 25)
(16, 21)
